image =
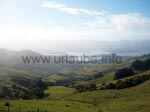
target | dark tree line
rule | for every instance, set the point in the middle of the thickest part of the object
(130, 82)
(83, 88)
(124, 72)
(141, 65)
(136, 65)
(35, 90)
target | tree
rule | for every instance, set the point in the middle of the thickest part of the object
(120, 84)
(138, 65)
(141, 65)
(7, 104)
(97, 75)
(37, 92)
(110, 86)
(92, 87)
(40, 84)
(124, 72)
(147, 64)
(83, 88)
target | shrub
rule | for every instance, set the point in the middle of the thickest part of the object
(121, 84)
(124, 72)
(83, 88)
(138, 65)
(141, 65)
(98, 75)
(147, 64)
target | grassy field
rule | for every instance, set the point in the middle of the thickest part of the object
(135, 99)
(47, 105)
(106, 78)
(54, 78)
(88, 70)
(65, 99)
(59, 92)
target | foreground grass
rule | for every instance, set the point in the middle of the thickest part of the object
(47, 105)
(64, 99)
(135, 99)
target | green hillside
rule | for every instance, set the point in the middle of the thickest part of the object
(84, 89)
(59, 92)
(135, 99)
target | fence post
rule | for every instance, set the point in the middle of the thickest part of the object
(19, 108)
(38, 110)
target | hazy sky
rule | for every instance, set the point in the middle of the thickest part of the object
(32, 23)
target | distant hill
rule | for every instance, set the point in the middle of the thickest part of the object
(13, 60)
(124, 47)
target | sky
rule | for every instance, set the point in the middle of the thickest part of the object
(26, 24)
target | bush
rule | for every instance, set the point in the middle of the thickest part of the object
(110, 86)
(141, 65)
(98, 75)
(83, 88)
(138, 65)
(147, 64)
(124, 72)
(121, 84)
(40, 84)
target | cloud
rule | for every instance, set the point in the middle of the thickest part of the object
(69, 10)
(103, 29)
(130, 21)
(36, 37)
(109, 26)
(130, 26)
